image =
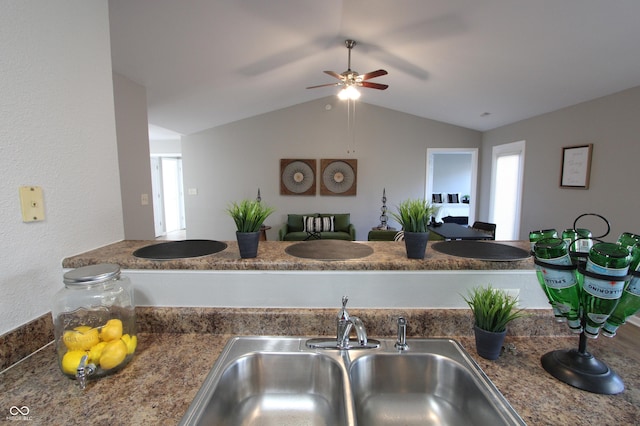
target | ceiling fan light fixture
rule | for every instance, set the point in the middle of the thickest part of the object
(350, 92)
(350, 79)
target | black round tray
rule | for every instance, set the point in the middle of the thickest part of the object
(481, 250)
(180, 249)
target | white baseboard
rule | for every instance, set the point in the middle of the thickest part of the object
(635, 320)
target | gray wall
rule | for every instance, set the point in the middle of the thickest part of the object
(612, 124)
(231, 162)
(132, 131)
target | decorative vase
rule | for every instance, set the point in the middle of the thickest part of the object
(248, 244)
(489, 343)
(416, 244)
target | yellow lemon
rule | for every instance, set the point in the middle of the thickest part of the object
(82, 328)
(131, 342)
(96, 352)
(80, 340)
(113, 354)
(112, 330)
(71, 361)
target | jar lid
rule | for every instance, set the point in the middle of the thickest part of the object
(92, 274)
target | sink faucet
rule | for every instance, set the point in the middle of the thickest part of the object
(345, 324)
(401, 342)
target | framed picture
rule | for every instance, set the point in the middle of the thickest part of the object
(338, 177)
(297, 177)
(576, 166)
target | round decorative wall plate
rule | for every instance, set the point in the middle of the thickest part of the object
(338, 177)
(297, 177)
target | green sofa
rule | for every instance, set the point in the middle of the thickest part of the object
(293, 230)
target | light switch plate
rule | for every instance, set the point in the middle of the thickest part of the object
(32, 203)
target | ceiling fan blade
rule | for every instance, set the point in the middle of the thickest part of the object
(334, 74)
(373, 74)
(324, 85)
(374, 85)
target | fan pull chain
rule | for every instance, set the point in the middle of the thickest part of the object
(353, 128)
(351, 133)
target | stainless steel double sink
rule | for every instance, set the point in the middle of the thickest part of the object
(280, 381)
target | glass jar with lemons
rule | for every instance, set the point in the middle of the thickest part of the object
(94, 321)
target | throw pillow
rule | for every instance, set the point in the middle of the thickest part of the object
(308, 223)
(326, 224)
(436, 198)
(318, 224)
(453, 198)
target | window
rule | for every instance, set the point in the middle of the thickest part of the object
(507, 170)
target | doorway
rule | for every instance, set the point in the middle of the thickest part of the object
(507, 172)
(461, 178)
(168, 206)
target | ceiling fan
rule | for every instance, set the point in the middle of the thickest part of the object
(351, 79)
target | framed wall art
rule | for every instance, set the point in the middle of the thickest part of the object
(297, 177)
(576, 166)
(338, 177)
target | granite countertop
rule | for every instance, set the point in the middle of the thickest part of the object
(387, 256)
(172, 361)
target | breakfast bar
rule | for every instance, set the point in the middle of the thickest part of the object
(386, 278)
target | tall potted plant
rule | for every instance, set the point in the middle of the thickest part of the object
(492, 309)
(414, 216)
(249, 215)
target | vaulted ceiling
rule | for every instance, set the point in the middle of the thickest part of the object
(474, 63)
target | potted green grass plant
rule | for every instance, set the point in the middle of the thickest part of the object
(414, 216)
(492, 310)
(248, 215)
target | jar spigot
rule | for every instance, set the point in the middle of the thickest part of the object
(84, 370)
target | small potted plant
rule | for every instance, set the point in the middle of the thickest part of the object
(492, 309)
(414, 216)
(249, 215)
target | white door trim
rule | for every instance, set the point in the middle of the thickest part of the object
(474, 175)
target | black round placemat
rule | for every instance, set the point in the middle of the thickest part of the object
(481, 250)
(180, 249)
(329, 250)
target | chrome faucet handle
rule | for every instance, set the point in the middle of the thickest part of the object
(343, 326)
(84, 370)
(343, 315)
(401, 342)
